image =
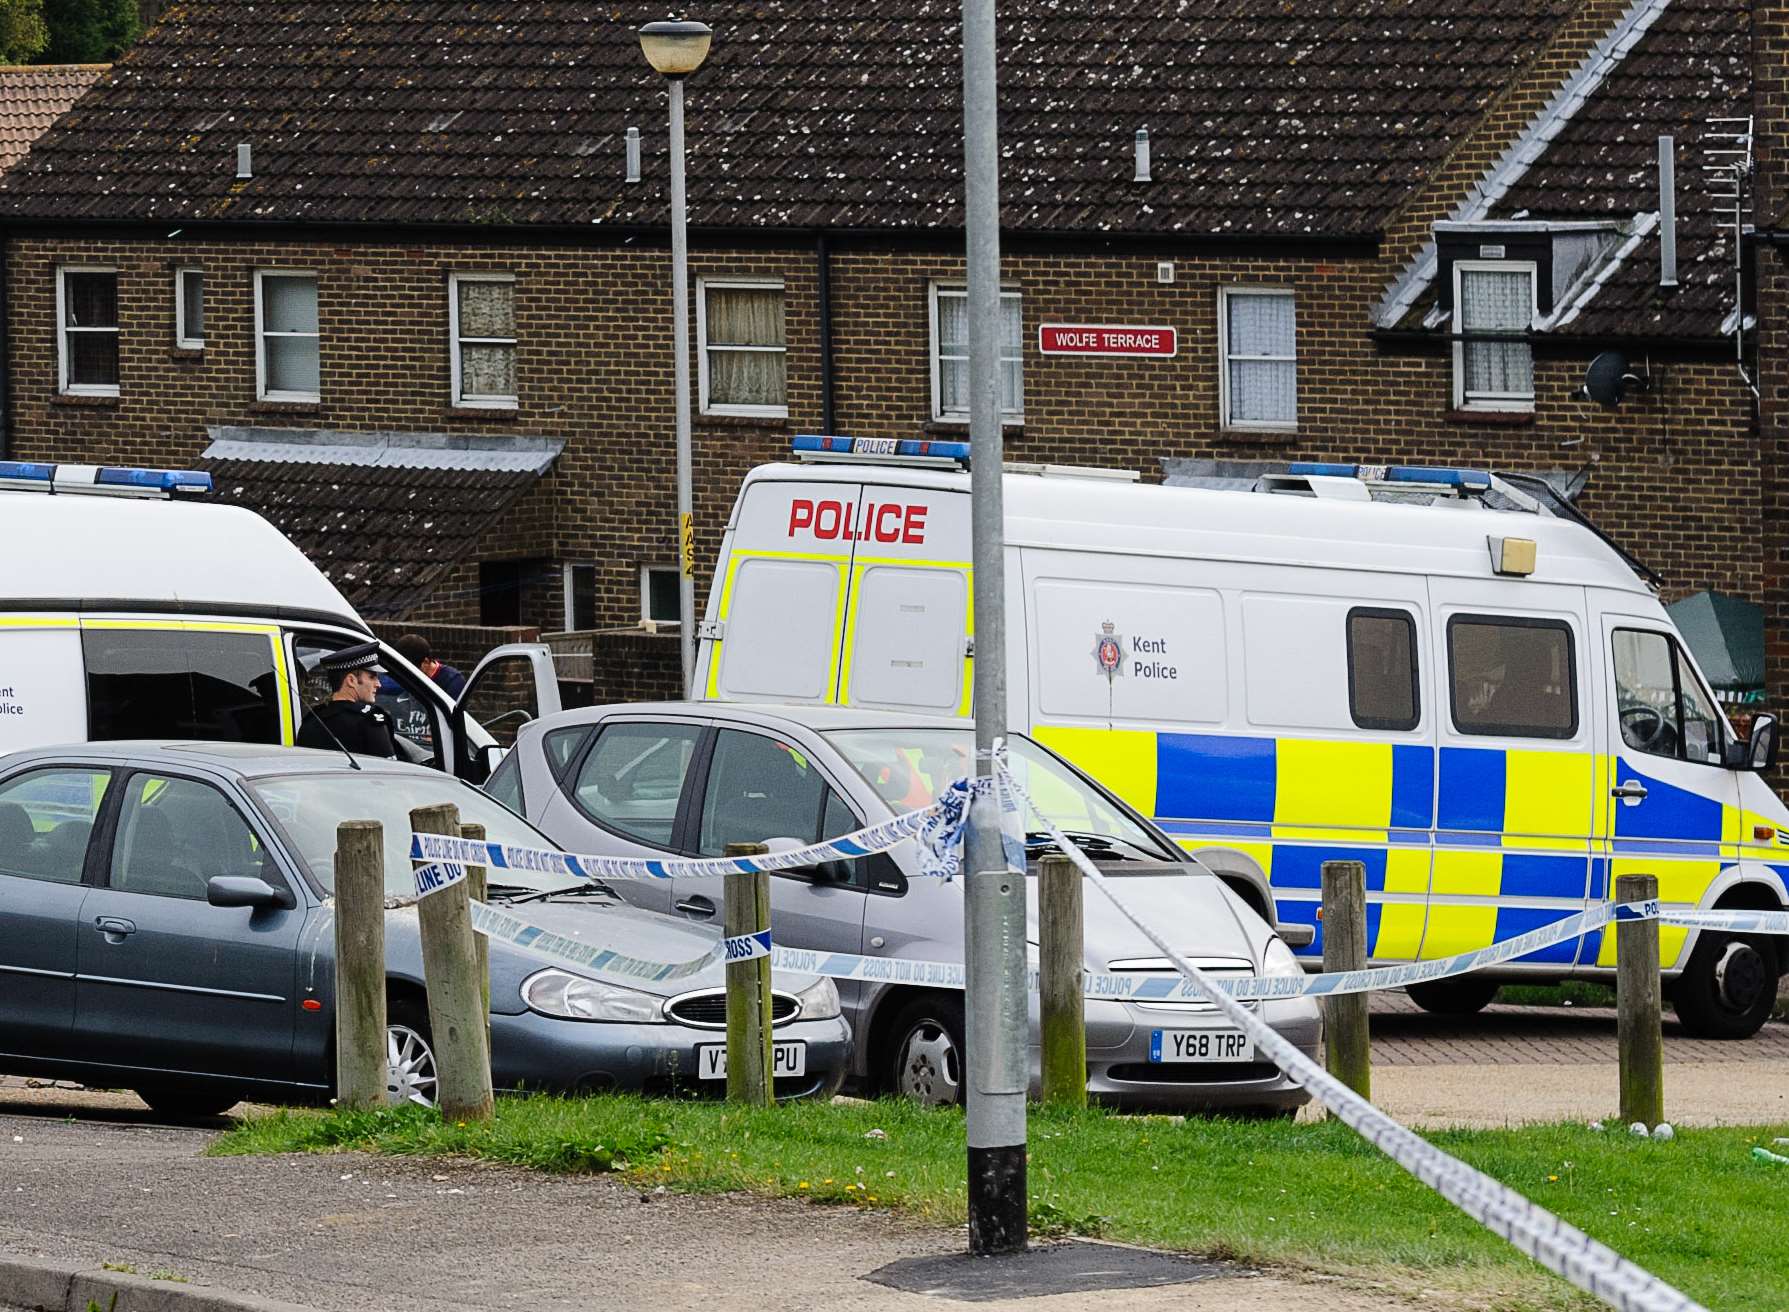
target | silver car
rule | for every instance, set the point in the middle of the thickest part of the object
(690, 777)
(166, 926)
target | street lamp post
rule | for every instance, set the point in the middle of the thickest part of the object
(675, 50)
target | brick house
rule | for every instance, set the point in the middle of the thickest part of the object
(423, 321)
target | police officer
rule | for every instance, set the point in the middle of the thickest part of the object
(350, 720)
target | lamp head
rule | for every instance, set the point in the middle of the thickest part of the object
(675, 49)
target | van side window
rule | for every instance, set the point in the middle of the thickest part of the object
(1382, 689)
(46, 818)
(181, 683)
(1659, 703)
(1513, 677)
(412, 713)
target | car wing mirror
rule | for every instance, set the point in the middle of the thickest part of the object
(243, 891)
(1296, 935)
(1761, 747)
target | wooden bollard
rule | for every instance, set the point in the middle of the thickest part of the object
(458, 1017)
(1347, 1047)
(746, 910)
(1061, 961)
(360, 1040)
(1638, 1003)
(477, 891)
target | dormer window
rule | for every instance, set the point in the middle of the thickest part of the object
(1493, 297)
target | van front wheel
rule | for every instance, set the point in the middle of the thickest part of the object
(1728, 988)
(1463, 995)
(924, 1060)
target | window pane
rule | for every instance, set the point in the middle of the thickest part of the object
(292, 365)
(487, 309)
(152, 684)
(561, 745)
(192, 304)
(289, 303)
(93, 359)
(1512, 679)
(92, 299)
(1012, 387)
(745, 316)
(1260, 325)
(953, 386)
(1012, 331)
(1263, 392)
(487, 371)
(583, 597)
(505, 784)
(662, 596)
(1497, 301)
(45, 820)
(759, 788)
(745, 378)
(633, 777)
(953, 323)
(175, 835)
(1382, 671)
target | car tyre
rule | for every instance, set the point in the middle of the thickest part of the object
(1463, 995)
(924, 1059)
(410, 1073)
(188, 1100)
(1728, 988)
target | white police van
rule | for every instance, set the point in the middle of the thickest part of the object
(128, 609)
(1443, 673)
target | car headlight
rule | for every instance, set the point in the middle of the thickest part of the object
(1278, 959)
(819, 1000)
(572, 997)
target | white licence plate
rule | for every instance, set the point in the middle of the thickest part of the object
(785, 1059)
(1200, 1045)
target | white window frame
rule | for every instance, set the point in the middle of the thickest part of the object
(707, 407)
(571, 568)
(1225, 296)
(646, 573)
(261, 391)
(183, 339)
(63, 330)
(455, 342)
(1505, 402)
(946, 287)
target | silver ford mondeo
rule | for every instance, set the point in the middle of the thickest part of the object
(687, 778)
(166, 926)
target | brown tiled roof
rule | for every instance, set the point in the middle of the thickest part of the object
(33, 97)
(1266, 116)
(385, 536)
(1691, 66)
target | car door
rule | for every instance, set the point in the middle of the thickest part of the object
(165, 980)
(1515, 795)
(760, 787)
(620, 791)
(46, 822)
(1668, 794)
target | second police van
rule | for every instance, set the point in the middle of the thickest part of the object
(1445, 674)
(128, 609)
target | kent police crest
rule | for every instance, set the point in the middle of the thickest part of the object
(1108, 651)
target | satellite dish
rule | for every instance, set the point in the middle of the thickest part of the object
(1607, 379)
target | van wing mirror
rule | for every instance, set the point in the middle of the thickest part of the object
(1761, 748)
(1296, 935)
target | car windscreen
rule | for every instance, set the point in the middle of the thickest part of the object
(308, 807)
(909, 768)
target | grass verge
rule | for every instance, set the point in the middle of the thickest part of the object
(1698, 1211)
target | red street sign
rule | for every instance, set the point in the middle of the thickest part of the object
(1104, 339)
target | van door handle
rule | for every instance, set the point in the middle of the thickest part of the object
(1630, 791)
(695, 906)
(115, 927)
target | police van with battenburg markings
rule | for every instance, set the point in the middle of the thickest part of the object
(1446, 674)
(129, 609)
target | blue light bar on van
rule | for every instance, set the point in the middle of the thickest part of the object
(101, 480)
(886, 448)
(1469, 480)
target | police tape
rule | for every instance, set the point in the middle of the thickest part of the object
(501, 927)
(1556, 1245)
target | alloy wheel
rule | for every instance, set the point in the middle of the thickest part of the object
(409, 1067)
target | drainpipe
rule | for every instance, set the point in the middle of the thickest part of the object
(5, 353)
(823, 259)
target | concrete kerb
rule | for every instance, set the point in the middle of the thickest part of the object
(41, 1287)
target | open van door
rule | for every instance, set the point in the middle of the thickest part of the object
(512, 685)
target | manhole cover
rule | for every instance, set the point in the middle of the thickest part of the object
(1049, 1269)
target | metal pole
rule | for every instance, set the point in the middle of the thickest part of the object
(680, 338)
(994, 896)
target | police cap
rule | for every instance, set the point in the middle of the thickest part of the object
(363, 656)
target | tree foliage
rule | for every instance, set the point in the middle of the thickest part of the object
(22, 30)
(89, 31)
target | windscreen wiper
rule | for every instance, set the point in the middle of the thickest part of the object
(592, 889)
(1038, 841)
